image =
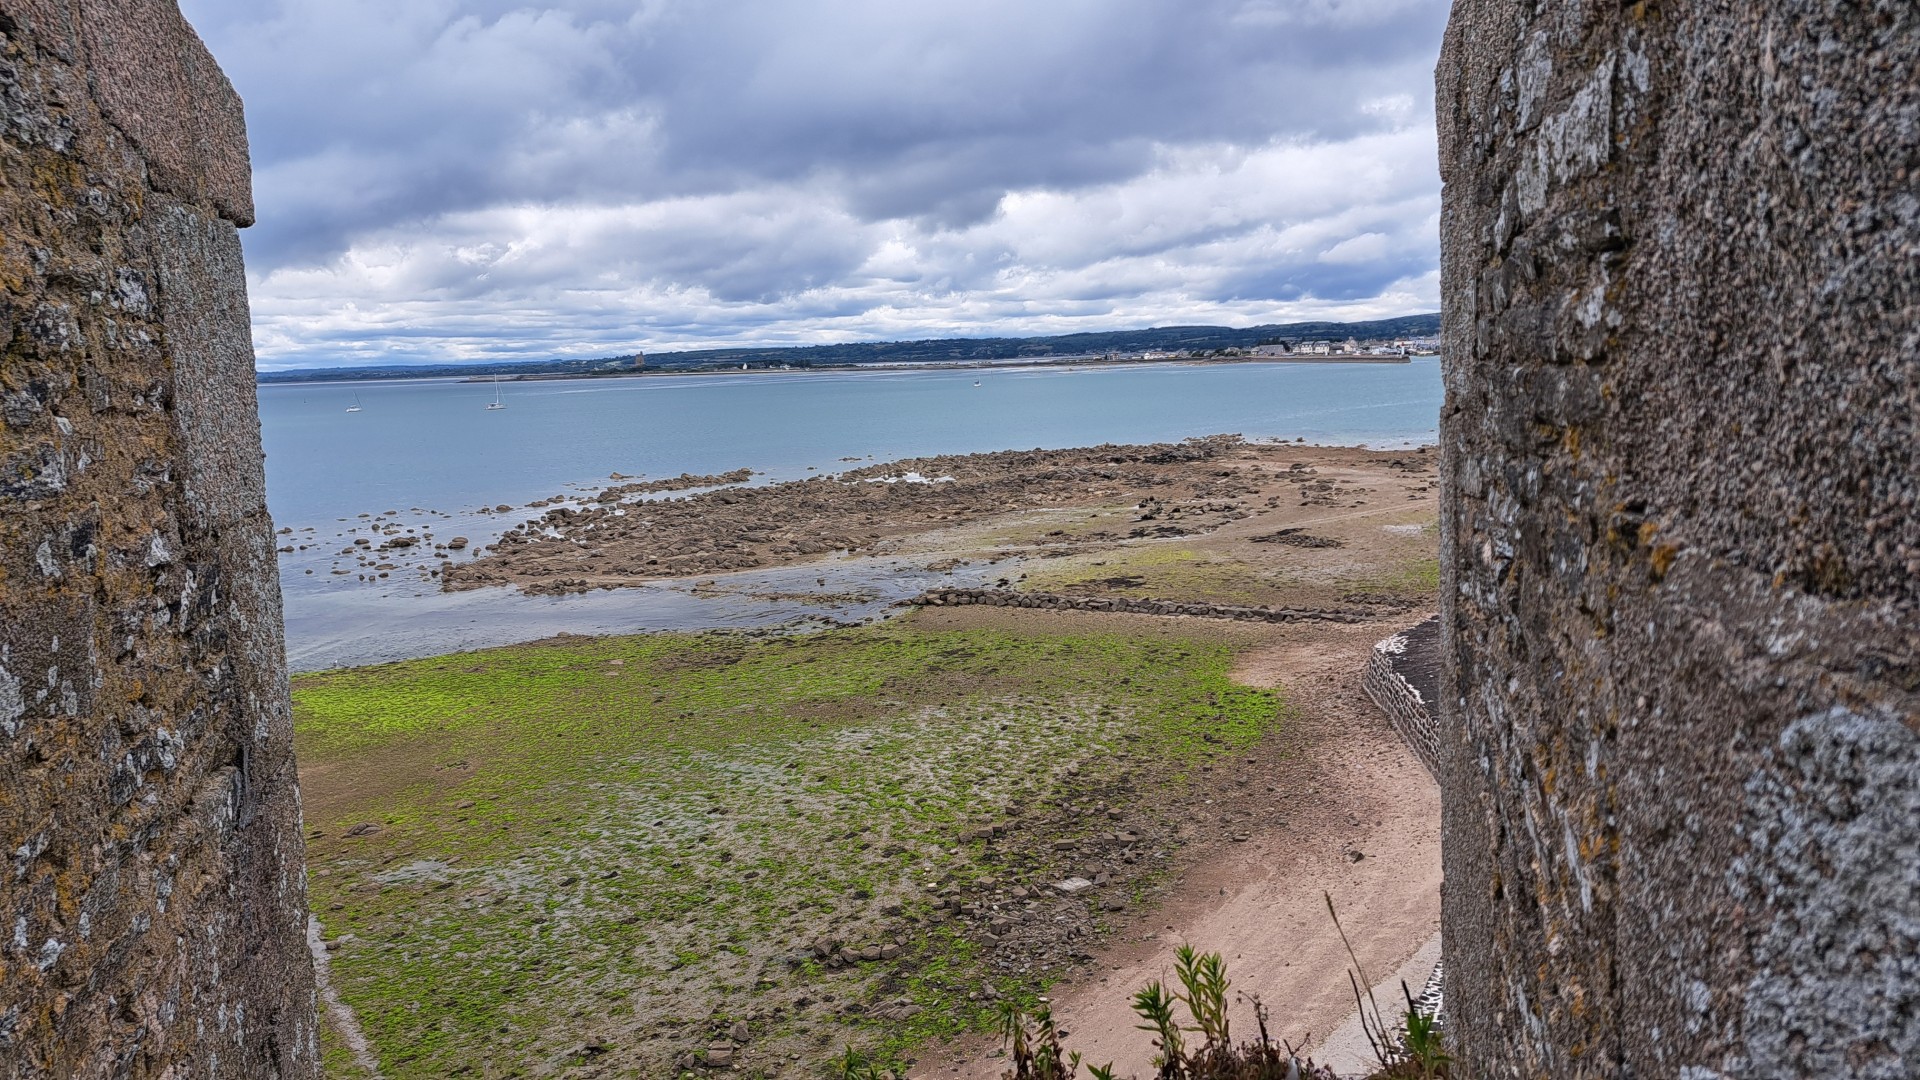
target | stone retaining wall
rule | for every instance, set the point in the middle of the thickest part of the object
(1132, 606)
(1391, 685)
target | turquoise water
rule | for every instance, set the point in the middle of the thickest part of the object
(431, 451)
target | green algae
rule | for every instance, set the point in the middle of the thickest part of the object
(624, 839)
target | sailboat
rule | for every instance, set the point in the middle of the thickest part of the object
(496, 403)
(355, 407)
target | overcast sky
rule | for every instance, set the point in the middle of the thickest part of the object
(481, 179)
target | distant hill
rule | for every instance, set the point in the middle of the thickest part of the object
(933, 350)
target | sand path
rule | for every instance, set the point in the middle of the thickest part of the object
(1345, 783)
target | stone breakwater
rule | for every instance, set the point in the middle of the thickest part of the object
(1400, 677)
(1132, 606)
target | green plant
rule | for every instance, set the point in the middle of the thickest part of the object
(1425, 1050)
(854, 1065)
(1415, 1050)
(1035, 1049)
(1205, 981)
(1033, 1040)
(1155, 1006)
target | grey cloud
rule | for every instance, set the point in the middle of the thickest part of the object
(762, 167)
(924, 109)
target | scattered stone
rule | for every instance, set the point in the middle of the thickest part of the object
(1073, 885)
(365, 828)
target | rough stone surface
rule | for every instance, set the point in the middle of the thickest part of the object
(1681, 570)
(1402, 677)
(153, 877)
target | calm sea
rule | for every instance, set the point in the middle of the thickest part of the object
(433, 452)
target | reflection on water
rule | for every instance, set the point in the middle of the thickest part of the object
(345, 627)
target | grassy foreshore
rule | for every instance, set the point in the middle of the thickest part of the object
(612, 851)
(644, 855)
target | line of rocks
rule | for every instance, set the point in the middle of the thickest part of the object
(1132, 606)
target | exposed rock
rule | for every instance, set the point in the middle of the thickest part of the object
(615, 541)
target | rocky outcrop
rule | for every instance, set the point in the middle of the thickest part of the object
(621, 538)
(154, 880)
(1681, 570)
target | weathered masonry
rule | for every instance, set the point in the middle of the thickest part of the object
(1402, 677)
(1681, 571)
(151, 864)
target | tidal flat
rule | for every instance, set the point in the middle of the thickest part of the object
(632, 856)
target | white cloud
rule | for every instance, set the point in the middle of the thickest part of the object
(495, 179)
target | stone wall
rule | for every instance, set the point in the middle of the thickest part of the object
(1400, 677)
(153, 881)
(1134, 606)
(1681, 570)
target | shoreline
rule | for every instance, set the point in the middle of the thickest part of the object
(517, 793)
(954, 365)
(878, 368)
(368, 589)
(945, 507)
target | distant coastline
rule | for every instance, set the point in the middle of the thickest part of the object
(1310, 342)
(945, 365)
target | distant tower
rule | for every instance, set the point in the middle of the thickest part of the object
(639, 361)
